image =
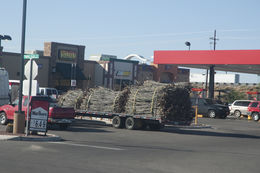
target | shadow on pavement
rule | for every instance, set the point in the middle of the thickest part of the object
(208, 133)
(84, 126)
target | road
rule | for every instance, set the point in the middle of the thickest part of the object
(229, 146)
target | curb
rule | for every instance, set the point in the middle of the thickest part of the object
(192, 126)
(47, 138)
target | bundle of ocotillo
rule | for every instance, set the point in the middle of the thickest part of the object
(72, 98)
(169, 101)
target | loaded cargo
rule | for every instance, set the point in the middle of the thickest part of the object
(149, 105)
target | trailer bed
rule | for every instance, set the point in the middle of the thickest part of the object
(128, 121)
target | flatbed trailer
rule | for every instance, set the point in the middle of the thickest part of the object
(128, 121)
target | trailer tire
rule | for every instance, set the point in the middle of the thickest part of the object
(118, 122)
(133, 123)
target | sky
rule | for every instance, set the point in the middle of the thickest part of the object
(123, 27)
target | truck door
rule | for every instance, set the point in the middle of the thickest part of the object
(15, 104)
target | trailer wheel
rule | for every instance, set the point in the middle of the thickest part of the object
(133, 124)
(118, 122)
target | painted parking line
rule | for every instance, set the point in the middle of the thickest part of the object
(90, 146)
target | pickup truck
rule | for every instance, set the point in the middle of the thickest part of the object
(254, 110)
(62, 116)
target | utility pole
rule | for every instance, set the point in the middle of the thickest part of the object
(214, 40)
(212, 70)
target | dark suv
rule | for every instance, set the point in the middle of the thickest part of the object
(210, 108)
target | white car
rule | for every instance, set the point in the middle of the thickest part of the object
(239, 107)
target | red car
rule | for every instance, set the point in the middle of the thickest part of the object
(254, 110)
(57, 115)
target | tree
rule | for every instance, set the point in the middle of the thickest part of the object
(232, 95)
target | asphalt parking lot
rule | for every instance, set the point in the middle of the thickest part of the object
(221, 145)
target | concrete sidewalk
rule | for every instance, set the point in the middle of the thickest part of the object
(48, 137)
(4, 136)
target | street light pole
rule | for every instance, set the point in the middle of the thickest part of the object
(187, 44)
(22, 56)
(19, 116)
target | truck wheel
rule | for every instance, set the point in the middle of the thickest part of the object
(255, 116)
(212, 114)
(237, 113)
(3, 118)
(133, 124)
(118, 122)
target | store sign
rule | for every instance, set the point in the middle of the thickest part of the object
(123, 73)
(67, 54)
(39, 116)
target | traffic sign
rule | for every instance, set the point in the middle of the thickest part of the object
(31, 56)
(27, 69)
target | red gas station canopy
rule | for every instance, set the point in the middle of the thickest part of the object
(245, 61)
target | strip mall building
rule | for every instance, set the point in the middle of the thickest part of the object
(60, 63)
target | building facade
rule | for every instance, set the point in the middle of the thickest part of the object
(58, 65)
(114, 73)
(166, 73)
(62, 66)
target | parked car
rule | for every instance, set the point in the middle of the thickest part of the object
(254, 110)
(239, 107)
(210, 108)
